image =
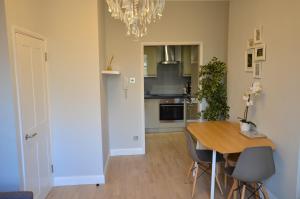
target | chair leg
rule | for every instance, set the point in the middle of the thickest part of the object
(243, 192)
(190, 171)
(234, 186)
(265, 192)
(217, 179)
(195, 180)
(257, 191)
(225, 175)
(225, 181)
(219, 185)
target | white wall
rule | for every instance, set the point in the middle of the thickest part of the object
(181, 22)
(277, 111)
(71, 28)
(9, 173)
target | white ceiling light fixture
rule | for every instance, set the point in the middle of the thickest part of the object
(136, 14)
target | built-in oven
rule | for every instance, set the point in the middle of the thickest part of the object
(171, 110)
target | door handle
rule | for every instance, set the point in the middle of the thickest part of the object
(30, 136)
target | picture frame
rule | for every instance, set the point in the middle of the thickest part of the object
(260, 52)
(250, 43)
(249, 60)
(257, 70)
(258, 35)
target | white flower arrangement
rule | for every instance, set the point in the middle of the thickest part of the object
(249, 97)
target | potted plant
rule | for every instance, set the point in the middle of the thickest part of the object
(212, 90)
(249, 97)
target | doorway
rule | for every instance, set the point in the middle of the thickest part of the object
(170, 80)
(32, 99)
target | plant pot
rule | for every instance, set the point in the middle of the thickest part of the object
(245, 127)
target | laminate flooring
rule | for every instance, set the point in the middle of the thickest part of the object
(160, 174)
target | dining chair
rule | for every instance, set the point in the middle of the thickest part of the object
(200, 156)
(253, 167)
(230, 160)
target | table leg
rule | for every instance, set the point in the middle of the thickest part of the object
(213, 175)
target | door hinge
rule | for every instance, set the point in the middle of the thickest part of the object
(46, 56)
(52, 168)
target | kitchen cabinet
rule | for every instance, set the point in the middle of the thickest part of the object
(189, 59)
(192, 111)
(194, 55)
(186, 61)
(152, 113)
(151, 59)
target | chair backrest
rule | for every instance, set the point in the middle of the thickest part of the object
(191, 146)
(255, 165)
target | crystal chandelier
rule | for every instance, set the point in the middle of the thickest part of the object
(136, 14)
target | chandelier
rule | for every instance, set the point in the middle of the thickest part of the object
(136, 14)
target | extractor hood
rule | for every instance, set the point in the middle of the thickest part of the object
(169, 55)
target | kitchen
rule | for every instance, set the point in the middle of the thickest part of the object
(170, 86)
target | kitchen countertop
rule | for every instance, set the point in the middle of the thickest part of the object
(164, 96)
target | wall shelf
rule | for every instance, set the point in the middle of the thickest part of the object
(110, 72)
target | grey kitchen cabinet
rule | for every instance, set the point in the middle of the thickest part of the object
(151, 59)
(186, 61)
(152, 113)
(192, 111)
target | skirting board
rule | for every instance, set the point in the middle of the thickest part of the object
(79, 180)
(129, 151)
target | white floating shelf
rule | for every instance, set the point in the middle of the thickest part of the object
(110, 72)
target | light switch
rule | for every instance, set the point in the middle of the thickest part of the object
(132, 80)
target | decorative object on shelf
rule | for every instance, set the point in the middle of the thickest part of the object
(109, 64)
(250, 43)
(257, 72)
(249, 98)
(260, 52)
(136, 14)
(212, 89)
(258, 35)
(249, 60)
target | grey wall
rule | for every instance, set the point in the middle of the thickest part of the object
(71, 30)
(277, 111)
(9, 173)
(298, 181)
(169, 80)
(103, 85)
(181, 22)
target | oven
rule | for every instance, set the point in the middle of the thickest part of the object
(171, 110)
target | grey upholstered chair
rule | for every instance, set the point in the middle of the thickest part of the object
(16, 195)
(253, 166)
(200, 156)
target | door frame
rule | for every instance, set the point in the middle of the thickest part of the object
(143, 44)
(20, 147)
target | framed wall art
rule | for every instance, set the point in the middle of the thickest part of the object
(260, 52)
(257, 70)
(258, 35)
(249, 60)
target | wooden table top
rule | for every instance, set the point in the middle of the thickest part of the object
(224, 137)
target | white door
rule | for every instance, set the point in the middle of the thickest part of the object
(33, 109)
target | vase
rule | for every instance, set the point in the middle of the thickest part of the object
(245, 127)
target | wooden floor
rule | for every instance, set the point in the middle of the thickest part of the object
(160, 174)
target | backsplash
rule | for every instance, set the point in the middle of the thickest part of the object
(169, 80)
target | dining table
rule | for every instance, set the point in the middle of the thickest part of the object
(223, 137)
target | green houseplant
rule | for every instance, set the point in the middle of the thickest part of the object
(212, 89)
